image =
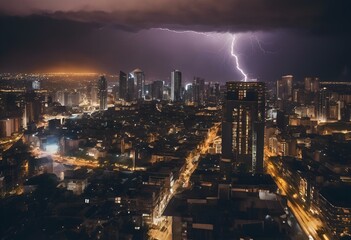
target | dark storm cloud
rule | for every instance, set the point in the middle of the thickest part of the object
(307, 37)
(204, 15)
(28, 43)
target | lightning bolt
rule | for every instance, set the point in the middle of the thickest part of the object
(237, 65)
(259, 44)
(184, 31)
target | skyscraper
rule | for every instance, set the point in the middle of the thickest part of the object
(33, 107)
(94, 95)
(188, 94)
(130, 96)
(148, 91)
(243, 125)
(311, 84)
(284, 88)
(139, 77)
(157, 90)
(73, 98)
(88, 93)
(122, 85)
(176, 85)
(102, 92)
(323, 104)
(199, 90)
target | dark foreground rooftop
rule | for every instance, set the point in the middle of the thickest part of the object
(338, 194)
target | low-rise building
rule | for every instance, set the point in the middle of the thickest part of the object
(335, 207)
(76, 180)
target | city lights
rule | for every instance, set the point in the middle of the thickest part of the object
(170, 120)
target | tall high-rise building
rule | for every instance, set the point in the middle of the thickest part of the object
(73, 99)
(130, 96)
(176, 85)
(94, 95)
(139, 77)
(312, 84)
(102, 92)
(323, 104)
(199, 90)
(114, 91)
(9, 125)
(88, 93)
(243, 125)
(122, 85)
(217, 90)
(148, 91)
(59, 97)
(188, 94)
(157, 90)
(33, 105)
(284, 88)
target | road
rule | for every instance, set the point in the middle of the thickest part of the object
(309, 223)
(79, 162)
(73, 161)
(162, 225)
(7, 143)
(192, 159)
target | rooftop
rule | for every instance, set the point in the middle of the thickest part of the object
(338, 195)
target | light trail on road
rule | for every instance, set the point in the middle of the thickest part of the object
(191, 162)
(309, 223)
(6, 144)
(80, 162)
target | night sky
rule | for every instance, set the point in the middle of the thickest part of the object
(273, 37)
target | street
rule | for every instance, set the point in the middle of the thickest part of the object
(163, 225)
(309, 223)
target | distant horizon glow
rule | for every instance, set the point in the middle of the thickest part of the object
(261, 55)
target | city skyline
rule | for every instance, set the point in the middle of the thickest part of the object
(241, 143)
(175, 120)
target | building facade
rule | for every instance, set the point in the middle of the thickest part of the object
(243, 125)
(176, 85)
(102, 92)
(139, 77)
(122, 85)
(130, 96)
(284, 88)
